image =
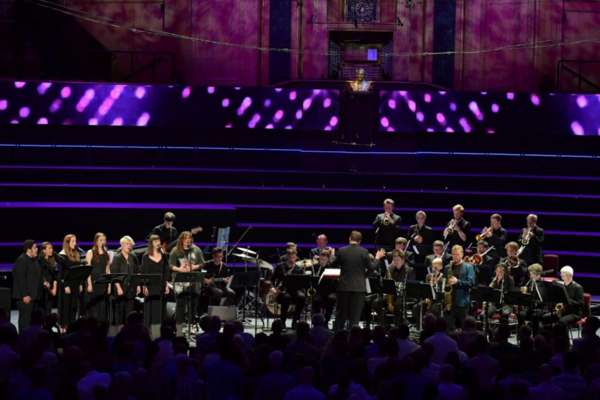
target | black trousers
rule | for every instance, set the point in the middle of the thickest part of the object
(349, 309)
(569, 319)
(456, 317)
(216, 293)
(25, 311)
(286, 299)
(323, 303)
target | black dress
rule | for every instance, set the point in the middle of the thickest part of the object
(50, 275)
(98, 305)
(67, 303)
(154, 303)
(123, 305)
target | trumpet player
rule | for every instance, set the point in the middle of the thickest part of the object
(457, 230)
(573, 310)
(495, 235)
(420, 234)
(387, 226)
(322, 245)
(532, 240)
(460, 278)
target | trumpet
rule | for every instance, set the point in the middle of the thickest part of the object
(387, 219)
(450, 228)
(559, 309)
(526, 236)
(448, 290)
(484, 233)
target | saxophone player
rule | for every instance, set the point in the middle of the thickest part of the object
(460, 278)
(458, 229)
(435, 278)
(535, 287)
(505, 283)
(387, 226)
(532, 240)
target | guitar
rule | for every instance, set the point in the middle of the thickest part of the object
(166, 247)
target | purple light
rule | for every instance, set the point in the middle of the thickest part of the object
(93, 121)
(510, 96)
(299, 114)
(333, 121)
(490, 131)
(85, 100)
(278, 115)
(441, 118)
(453, 107)
(225, 103)
(65, 92)
(19, 84)
(327, 102)
(420, 116)
(143, 119)
(391, 129)
(43, 87)
(430, 130)
(293, 95)
(427, 98)
(24, 112)
(254, 121)
(105, 106)
(328, 128)
(495, 108)
(3, 104)
(316, 92)
(186, 92)
(449, 130)
(582, 101)
(535, 100)
(229, 125)
(55, 106)
(14, 122)
(288, 127)
(442, 92)
(269, 126)
(278, 90)
(412, 106)
(42, 121)
(267, 103)
(117, 122)
(307, 103)
(483, 93)
(392, 104)
(465, 125)
(385, 122)
(140, 92)
(474, 107)
(247, 102)
(210, 89)
(115, 93)
(577, 128)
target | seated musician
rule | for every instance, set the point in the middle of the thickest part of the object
(573, 310)
(438, 252)
(504, 282)
(461, 277)
(537, 289)
(516, 267)
(286, 297)
(436, 279)
(322, 244)
(289, 247)
(400, 244)
(484, 268)
(166, 231)
(324, 299)
(217, 279)
(399, 271)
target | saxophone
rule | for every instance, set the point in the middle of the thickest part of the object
(449, 290)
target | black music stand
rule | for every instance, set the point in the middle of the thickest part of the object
(246, 280)
(147, 280)
(191, 278)
(516, 298)
(486, 295)
(388, 286)
(421, 291)
(375, 285)
(76, 276)
(556, 293)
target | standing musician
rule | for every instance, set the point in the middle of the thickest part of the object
(572, 311)
(460, 278)
(537, 289)
(483, 262)
(217, 279)
(354, 261)
(185, 257)
(49, 265)
(68, 258)
(421, 235)
(399, 272)
(458, 229)
(495, 235)
(27, 283)
(322, 244)
(532, 240)
(387, 226)
(284, 296)
(438, 252)
(324, 299)
(155, 262)
(166, 231)
(435, 278)
(504, 282)
(124, 262)
(515, 266)
(99, 259)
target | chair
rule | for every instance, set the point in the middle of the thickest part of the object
(587, 302)
(551, 264)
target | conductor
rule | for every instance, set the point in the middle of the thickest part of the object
(354, 261)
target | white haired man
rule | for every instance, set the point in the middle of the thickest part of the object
(574, 308)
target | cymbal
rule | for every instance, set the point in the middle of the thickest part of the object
(244, 256)
(306, 263)
(247, 251)
(265, 265)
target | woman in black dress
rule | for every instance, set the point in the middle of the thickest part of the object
(99, 259)
(69, 257)
(124, 262)
(49, 277)
(156, 263)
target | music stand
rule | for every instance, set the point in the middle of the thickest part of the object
(191, 278)
(388, 286)
(147, 280)
(556, 293)
(516, 298)
(76, 275)
(421, 291)
(486, 295)
(245, 280)
(375, 285)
